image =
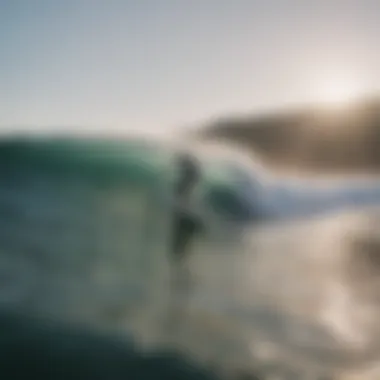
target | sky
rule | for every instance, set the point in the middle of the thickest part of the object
(155, 65)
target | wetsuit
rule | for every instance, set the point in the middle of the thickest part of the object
(186, 225)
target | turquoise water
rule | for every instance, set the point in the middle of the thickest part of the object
(85, 228)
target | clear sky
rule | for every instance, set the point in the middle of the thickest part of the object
(158, 64)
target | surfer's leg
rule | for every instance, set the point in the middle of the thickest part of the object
(186, 229)
(184, 232)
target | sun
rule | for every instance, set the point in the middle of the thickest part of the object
(337, 89)
(336, 93)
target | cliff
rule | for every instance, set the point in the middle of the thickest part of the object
(326, 140)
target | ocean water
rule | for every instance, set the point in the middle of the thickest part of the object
(84, 237)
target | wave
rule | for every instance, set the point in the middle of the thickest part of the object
(85, 229)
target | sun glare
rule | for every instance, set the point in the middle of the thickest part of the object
(337, 93)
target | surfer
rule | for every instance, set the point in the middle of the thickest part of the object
(186, 224)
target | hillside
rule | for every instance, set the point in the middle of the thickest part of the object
(326, 140)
